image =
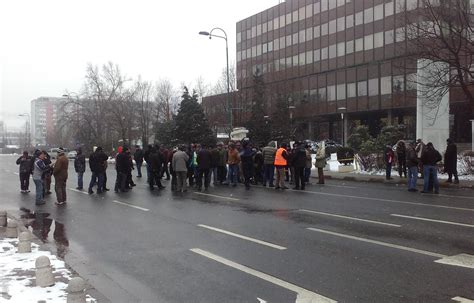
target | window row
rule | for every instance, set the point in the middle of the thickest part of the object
(366, 16)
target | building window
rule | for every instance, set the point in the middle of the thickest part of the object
(309, 10)
(400, 34)
(259, 29)
(362, 88)
(324, 53)
(411, 82)
(302, 36)
(389, 37)
(288, 40)
(239, 37)
(332, 51)
(359, 44)
(378, 39)
(349, 21)
(324, 5)
(317, 31)
(288, 63)
(309, 34)
(239, 56)
(412, 4)
(322, 94)
(378, 12)
(388, 9)
(386, 85)
(264, 27)
(259, 49)
(332, 26)
(324, 29)
(341, 24)
(359, 18)
(341, 91)
(331, 93)
(399, 6)
(317, 8)
(276, 23)
(295, 16)
(254, 31)
(282, 21)
(398, 84)
(368, 15)
(374, 87)
(270, 46)
(332, 4)
(341, 49)
(282, 43)
(351, 90)
(309, 57)
(288, 19)
(350, 47)
(276, 44)
(254, 51)
(369, 42)
(317, 55)
(302, 59)
(295, 38)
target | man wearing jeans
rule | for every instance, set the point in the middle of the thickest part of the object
(269, 152)
(38, 169)
(80, 167)
(412, 164)
(281, 161)
(233, 160)
(430, 158)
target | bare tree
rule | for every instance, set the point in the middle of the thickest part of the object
(164, 96)
(145, 108)
(201, 87)
(221, 86)
(442, 32)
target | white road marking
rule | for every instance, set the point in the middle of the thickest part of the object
(432, 220)
(130, 205)
(216, 196)
(16, 173)
(383, 200)
(261, 300)
(462, 300)
(419, 251)
(454, 196)
(78, 191)
(346, 217)
(303, 295)
(463, 260)
(243, 237)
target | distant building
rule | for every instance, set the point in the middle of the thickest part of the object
(44, 118)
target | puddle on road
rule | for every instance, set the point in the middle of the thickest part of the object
(41, 225)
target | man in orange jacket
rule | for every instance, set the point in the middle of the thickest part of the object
(281, 160)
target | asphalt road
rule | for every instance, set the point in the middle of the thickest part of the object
(344, 241)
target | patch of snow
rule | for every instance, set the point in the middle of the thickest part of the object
(17, 275)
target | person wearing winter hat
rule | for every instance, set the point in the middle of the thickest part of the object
(60, 176)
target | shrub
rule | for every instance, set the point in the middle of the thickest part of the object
(345, 155)
(359, 137)
(467, 163)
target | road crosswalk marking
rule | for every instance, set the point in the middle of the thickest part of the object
(433, 220)
(303, 295)
(243, 237)
(347, 217)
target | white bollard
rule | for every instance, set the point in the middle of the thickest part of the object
(24, 244)
(76, 291)
(44, 272)
(12, 231)
(3, 218)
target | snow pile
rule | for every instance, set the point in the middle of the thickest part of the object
(17, 275)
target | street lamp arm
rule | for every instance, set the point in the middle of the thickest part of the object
(220, 29)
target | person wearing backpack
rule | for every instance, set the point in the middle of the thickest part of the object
(26, 163)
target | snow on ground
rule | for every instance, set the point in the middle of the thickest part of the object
(17, 275)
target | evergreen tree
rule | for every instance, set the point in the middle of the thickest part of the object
(259, 130)
(166, 133)
(191, 122)
(281, 124)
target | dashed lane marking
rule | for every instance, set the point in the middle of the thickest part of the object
(216, 196)
(130, 205)
(462, 300)
(418, 251)
(349, 218)
(243, 237)
(432, 220)
(78, 191)
(303, 295)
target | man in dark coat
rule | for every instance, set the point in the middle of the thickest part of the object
(121, 165)
(412, 164)
(26, 163)
(246, 158)
(401, 158)
(80, 168)
(138, 157)
(156, 163)
(146, 156)
(430, 158)
(203, 159)
(299, 163)
(451, 161)
(98, 165)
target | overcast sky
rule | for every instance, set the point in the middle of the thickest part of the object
(45, 45)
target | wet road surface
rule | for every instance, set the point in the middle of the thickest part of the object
(344, 241)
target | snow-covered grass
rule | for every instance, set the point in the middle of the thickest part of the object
(17, 275)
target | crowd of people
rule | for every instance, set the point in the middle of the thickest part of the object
(197, 165)
(415, 158)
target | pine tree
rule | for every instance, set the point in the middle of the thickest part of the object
(191, 122)
(259, 129)
(281, 125)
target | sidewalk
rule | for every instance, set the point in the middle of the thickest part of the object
(17, 271)
(360, 177)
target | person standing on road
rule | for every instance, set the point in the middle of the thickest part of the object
(60, 176)
(402, 159)
(138, 157)
(203, 159)
(146, 156)
(47, 173)
(214, 164)
(233, 160)
(80, 168)
(389, 155)
(299, 163)
(180, 167)
(412, 164)
(320, 162)
(309, 165)
(121, 164)
(281, 161)
(246, 157)
(165, 170)
(156, 164)
(97, 164)
(222, 164)
(419, 149)
(269, 153)
(26, 163)
(39, 168)
(430, 158)
(451, 161)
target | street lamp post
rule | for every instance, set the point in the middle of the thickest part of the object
(229, 106)
(27, 128)
(342, 110)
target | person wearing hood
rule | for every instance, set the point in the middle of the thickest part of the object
(451, 161)
(269, 153)
(26, 164)
(320, 162)
(412, 164)
(80, 168)
(299, 163)
(246, 157)
(60, 176)
(388, 156)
